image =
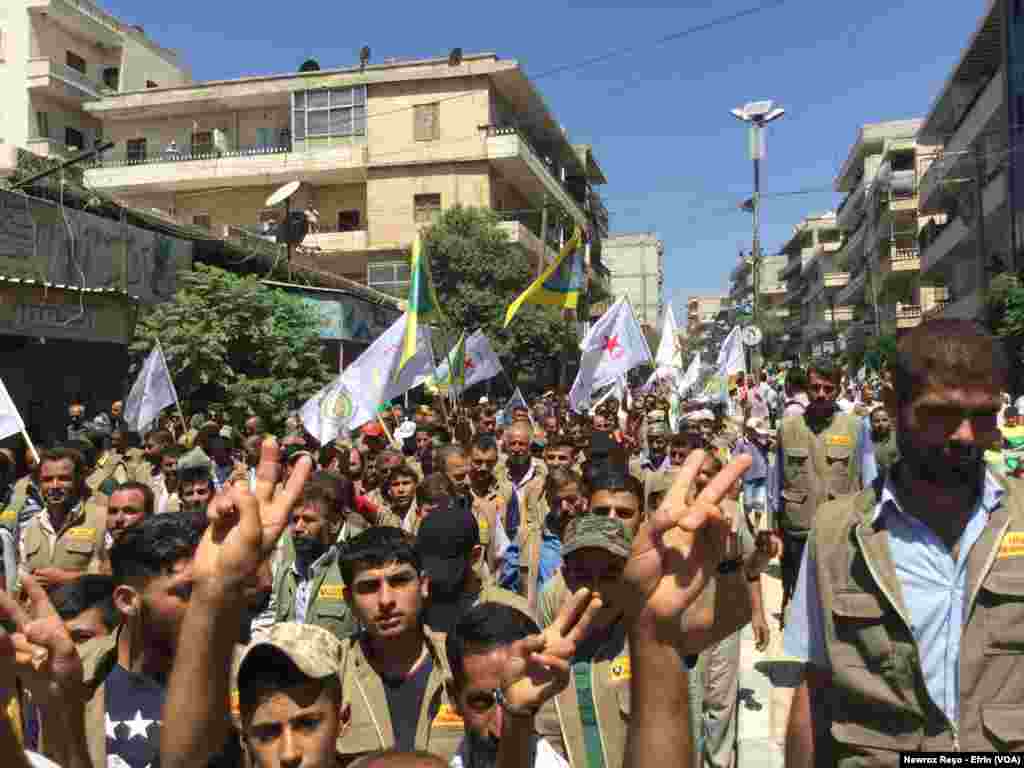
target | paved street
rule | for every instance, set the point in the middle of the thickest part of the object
(764, 707)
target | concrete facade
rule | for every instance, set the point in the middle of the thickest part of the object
(637, 266)
(396, 144)
(56, 56)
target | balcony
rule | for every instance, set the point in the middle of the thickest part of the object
(535, 249)
(907, 316)
(956, 234)
(836, 279)
(967, 307)
(519, 163)
(259, 165)
(983, 117)
(902, 264)
(62, 83)
(79, 18)
(330, 241)
(45, 147)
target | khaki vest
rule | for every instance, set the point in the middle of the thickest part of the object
(816, 468)
(327, 606)
(488, 507)
(878, 701)
(111, 464)
(609, 685)
(78, 542)
(368, 729)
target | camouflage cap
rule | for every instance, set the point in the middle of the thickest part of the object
(596, 532)
(314, 651)
(195, 460)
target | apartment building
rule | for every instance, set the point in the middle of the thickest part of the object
(636, 266)
(701, 315)
(881, 219)
(966, 185)
(379, 149)
(57, 56)
(771, 289)
(812, 321)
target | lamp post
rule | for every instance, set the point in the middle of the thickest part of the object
(757, 114)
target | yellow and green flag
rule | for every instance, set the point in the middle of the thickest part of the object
(457, 364)
(560, 284)
(423, 303)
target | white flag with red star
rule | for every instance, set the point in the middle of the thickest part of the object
(615, 345)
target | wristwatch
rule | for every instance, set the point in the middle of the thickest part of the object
(501, 701)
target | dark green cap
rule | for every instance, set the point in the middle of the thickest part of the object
(591, 531)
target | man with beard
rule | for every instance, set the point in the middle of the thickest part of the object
(393, 672)
(883, 438)
(489, 496)
(501, 685)
(66, 537)
(308, 587)
(77, 428)
(908, 607)
(448, 543)
(818, 461)
(424, 450)
(524, 513)
(453, 461)
(129, 505)
(401, 495)
(195, 482)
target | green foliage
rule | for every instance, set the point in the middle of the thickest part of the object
(1005, 308)
(879, 352)
(235, 345)
(477, 273)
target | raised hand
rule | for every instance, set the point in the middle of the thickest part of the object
(537, 667)
(245, 526)
(677, 550)
(40, 650)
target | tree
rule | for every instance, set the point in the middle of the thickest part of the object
(478, 272)
(236, 345)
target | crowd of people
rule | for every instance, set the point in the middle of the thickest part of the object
(527, 586)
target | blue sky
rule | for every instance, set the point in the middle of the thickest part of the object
(658, 118)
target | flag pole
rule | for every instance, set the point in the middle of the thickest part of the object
(174, 389)
(433, 365)
(31, 446)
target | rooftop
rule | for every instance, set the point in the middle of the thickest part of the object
(870, 138)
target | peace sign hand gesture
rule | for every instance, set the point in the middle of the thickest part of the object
(678, 550)
(537, 667)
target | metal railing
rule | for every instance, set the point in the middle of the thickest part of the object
(904, 254)
(936, 308)
(173, 155)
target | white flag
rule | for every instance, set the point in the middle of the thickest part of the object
(353, 398)
(615, 345)
(481, 364)
(689, 379)
(152, 391)
(11, 422)
(669, 355)
(731, 359)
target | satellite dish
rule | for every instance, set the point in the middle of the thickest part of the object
(751, 335)
(282, 194)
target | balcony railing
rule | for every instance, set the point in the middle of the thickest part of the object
(177, 156)
(511, 130)
(936, 309)
(48, 67)
(904, 254)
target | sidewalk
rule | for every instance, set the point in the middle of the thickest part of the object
(765, 689)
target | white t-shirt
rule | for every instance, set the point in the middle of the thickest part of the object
(546, 757)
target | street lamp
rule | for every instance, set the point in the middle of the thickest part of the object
(757, 114)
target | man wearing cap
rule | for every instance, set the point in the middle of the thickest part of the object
(754, 443)
(448, 543)
(195, 481)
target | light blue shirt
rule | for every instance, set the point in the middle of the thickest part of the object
(934, 587)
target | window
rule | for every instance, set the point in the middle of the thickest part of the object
(75, 61)
(136, 150)
(348, 221)
(111, 77)
(202, 142)
(426, 207)
(264, 137)
(202, 220)
(392, 277)
(151, 84)
(43, 125)
(73, 138)
(427, 122)
(329, 112)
